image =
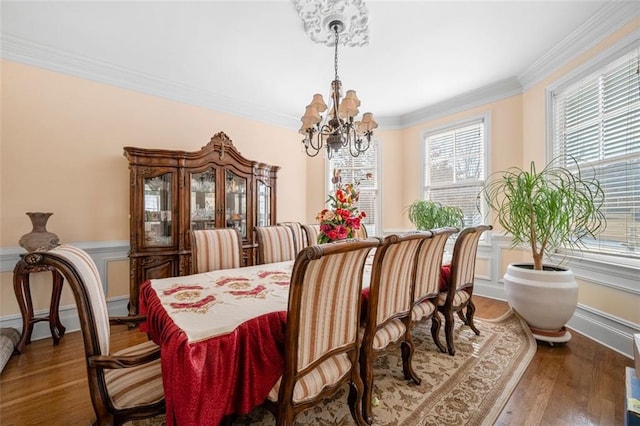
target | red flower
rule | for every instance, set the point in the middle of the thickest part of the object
(346, 214)
(342, 219)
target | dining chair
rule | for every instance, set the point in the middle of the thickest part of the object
(123, 385)
(312, 231)
(299, 239)
(387, 320)
(457, 297)
(321, 347)
(361, 232)
(275, 244)
(427, 281)
(215, 249)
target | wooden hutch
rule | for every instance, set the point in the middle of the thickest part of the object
(175, 191)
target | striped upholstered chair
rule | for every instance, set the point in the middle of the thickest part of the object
(215, 249)
(388, 314)
(124, 385)
(321, 339)
(299, 238)
(275, 244)
(426, 288)
(361, 232)
(311, 232)
(457, 297)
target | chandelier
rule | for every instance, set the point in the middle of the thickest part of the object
(339, 128)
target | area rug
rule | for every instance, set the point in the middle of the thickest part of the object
(470, 388)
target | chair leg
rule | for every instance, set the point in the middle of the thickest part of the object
(407, 358)
(366, 373)
(436, 323)
(462, 318)
(356, 389)
(285, 415)
(471, 309)
(449, 322)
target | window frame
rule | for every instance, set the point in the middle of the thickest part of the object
(623, 47)
(485, 119)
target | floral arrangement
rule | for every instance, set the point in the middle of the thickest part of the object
(342, 219)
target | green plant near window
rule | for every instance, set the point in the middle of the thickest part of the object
(548, 209)
(427, 214)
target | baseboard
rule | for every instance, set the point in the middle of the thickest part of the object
(612, 332)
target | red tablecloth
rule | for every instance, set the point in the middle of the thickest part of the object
(206, 380)
(232, 372)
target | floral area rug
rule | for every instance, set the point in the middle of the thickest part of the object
(470, 388)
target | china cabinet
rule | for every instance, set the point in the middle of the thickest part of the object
(174, 191)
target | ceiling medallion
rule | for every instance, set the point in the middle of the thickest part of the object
(318, 14)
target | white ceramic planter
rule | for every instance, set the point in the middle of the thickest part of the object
(545, 299)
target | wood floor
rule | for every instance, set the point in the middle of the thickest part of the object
(580, 383)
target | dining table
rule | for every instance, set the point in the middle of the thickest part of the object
(221, 335)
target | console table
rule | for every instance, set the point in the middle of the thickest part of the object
(23, 294)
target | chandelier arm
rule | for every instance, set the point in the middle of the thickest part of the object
(315, 152)
(329, 153)
(318, 145)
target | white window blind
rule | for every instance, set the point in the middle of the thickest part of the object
(597, 121)
(363, 168)
(455, 167)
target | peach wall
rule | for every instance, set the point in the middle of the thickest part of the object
(392, 178)
(61, 151)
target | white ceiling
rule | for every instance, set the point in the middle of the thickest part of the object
(254, 58)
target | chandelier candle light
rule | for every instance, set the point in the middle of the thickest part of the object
(338, 128)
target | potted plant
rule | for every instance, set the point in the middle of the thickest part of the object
(556, 207)
(427, 214)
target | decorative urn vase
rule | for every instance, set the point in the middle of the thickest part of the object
(545, 299)
(39, 238)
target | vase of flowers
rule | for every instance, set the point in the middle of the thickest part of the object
(342, 220)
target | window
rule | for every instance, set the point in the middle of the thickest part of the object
(454, 166)
(596, 119)
(363, 168)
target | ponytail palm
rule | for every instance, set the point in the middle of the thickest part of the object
(556, 207)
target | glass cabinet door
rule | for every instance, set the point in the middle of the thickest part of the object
(158, 221)
(203, 200)
(264, 204)
(236, 203)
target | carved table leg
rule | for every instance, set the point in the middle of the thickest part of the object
(22, 288)
(23, 295)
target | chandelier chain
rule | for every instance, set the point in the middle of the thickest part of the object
(335, 29)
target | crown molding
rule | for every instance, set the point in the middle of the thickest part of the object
(17, 49)
(605, 22)
(491, 93)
